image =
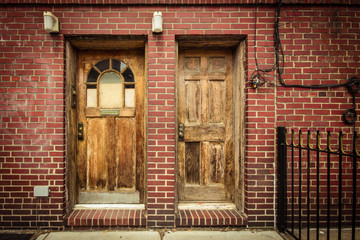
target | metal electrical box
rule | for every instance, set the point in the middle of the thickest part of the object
(41, 191)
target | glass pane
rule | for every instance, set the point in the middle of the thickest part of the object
(93, 75)
(111, 91)
(103, 65)
(128, 75)
(91, 98)
(117, 65)
(92, 86)
(123, 65)
(129, 97)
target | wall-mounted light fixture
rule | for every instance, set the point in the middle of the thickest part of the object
(51, 23)
(157, 22)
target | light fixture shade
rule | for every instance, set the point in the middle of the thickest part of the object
(157, 22)
(51, 23)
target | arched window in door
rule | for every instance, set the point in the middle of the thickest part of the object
(110, 84)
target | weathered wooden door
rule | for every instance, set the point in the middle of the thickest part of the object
(110, 106)
(205, 125)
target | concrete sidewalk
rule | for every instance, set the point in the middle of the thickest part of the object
(154, 235)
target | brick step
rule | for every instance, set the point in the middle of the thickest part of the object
(106, 218)
(210, 217)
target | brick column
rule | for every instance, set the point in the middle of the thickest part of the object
(161, 131)
(260, 128)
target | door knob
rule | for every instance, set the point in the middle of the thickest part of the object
(181, 132)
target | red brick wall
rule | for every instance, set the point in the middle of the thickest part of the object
(319, 46)
(32, 120)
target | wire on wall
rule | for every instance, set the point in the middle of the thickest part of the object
(259, 76)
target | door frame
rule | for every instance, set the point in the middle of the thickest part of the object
(72, 45)
(237, 43)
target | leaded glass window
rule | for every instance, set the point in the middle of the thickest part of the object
(110, 84)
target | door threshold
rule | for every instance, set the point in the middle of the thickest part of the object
(109, 206)
(106, 215)
(209, 214)
(206, 205)
(123, 197)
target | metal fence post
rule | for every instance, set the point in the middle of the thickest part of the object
(281, 180)
(355, 156)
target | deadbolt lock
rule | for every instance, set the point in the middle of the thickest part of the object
(81, 131)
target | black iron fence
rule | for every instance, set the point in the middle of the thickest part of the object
(318, 189)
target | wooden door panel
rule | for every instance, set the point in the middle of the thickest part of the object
(217, 104)
(192, 64)
(193, 100)
(216, 64)
(100, 138)
(125, 152)
(192, 163)
(216, 163)
(204, 107)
